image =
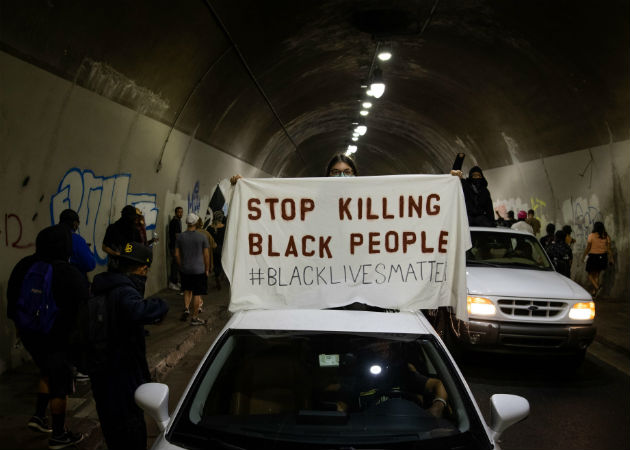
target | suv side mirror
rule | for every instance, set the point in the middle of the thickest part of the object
(153, 399)
(505, 411)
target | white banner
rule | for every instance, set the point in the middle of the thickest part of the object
(396, 242)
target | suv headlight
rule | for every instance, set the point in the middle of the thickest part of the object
(582, 311)
(480, 306)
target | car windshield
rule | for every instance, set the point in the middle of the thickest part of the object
(498, 249)
(270, 389)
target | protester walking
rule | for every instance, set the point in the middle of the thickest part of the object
(192, 252)
(217, 232)
(521, 224)
(561, 254)
(599, 254)
(546, 240)
(122, 231)
(533, 222)
(126, 367)
(174, 230)
(39, 285)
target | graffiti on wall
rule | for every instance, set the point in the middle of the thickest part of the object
(98, 200)
(11, 230)
(194, 200)
(584, 216)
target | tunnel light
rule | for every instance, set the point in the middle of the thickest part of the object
(385, 53)
(364, 112)
(352, 148)
(355, 138)
(366, 105)
(376, 369)
(361, 129)
(377, 86)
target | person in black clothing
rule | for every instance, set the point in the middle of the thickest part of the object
(546, 240)
(561, 254)
(122, 231)
(217, 231)
(174, 229)
(122, 421)
(477, 196)
(51, 352)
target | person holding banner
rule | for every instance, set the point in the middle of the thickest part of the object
(341, 166)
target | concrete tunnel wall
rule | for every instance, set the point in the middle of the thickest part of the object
(63, 145)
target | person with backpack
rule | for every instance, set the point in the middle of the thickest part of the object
(44, 294)
(120, 366)
(561, 254)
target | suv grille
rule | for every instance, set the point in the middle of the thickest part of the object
(531, 308)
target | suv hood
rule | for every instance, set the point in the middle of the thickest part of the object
(507, 282)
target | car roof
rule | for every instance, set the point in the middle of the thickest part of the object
(501, 230)
(331, 320)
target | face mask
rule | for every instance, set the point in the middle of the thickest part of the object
(139, 282)
(478, 182)
(343, 175)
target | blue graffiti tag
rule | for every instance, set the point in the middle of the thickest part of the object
(194, 200)
(98, 201)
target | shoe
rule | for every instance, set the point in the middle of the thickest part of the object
(67, 439)
(81, 377)
(40, 424)
(173, 286)
(185, 315)
(197, 321)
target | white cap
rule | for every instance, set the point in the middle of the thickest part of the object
(192, 218)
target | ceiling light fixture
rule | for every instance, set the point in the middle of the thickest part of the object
(364, 112)
(377, 87)
(384, 52)
(361, 129)
(366, 105)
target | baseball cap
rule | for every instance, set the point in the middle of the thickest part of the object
(192, 218)
(135, 251)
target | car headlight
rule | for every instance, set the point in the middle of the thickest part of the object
(582, 311)
(480, 306)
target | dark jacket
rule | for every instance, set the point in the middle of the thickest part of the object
(478, 202)
(120, 233)
(69, 285)
(174, 228)
(128, 312)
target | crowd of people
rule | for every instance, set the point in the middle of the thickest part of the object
(48, 290)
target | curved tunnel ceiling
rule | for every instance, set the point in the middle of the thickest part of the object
(277, 84)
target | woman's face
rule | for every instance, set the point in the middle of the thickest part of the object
(341, 169)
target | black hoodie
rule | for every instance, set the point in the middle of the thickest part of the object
(69, 286)
(478, 202)
(128, 312)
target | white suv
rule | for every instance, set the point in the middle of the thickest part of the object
(517, 302)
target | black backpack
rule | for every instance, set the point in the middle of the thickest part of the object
(96, 317)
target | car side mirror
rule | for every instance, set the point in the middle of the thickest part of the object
(505, 411)
(153, 399)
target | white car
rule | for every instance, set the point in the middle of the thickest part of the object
(327, 379)
(518, 303)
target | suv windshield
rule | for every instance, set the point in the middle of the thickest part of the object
(271, 389)
(497, 249)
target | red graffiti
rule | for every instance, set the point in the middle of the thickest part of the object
(12, 222)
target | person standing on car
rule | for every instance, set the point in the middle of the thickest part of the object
(122, 421)
(477, 196)
(599, 255)
(192, 252)
(51, 350)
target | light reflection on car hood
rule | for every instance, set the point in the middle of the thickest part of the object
(494, 281)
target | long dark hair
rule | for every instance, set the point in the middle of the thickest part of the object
(343, 158)
(598, 227)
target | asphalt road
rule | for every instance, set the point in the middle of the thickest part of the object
(586, 409)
